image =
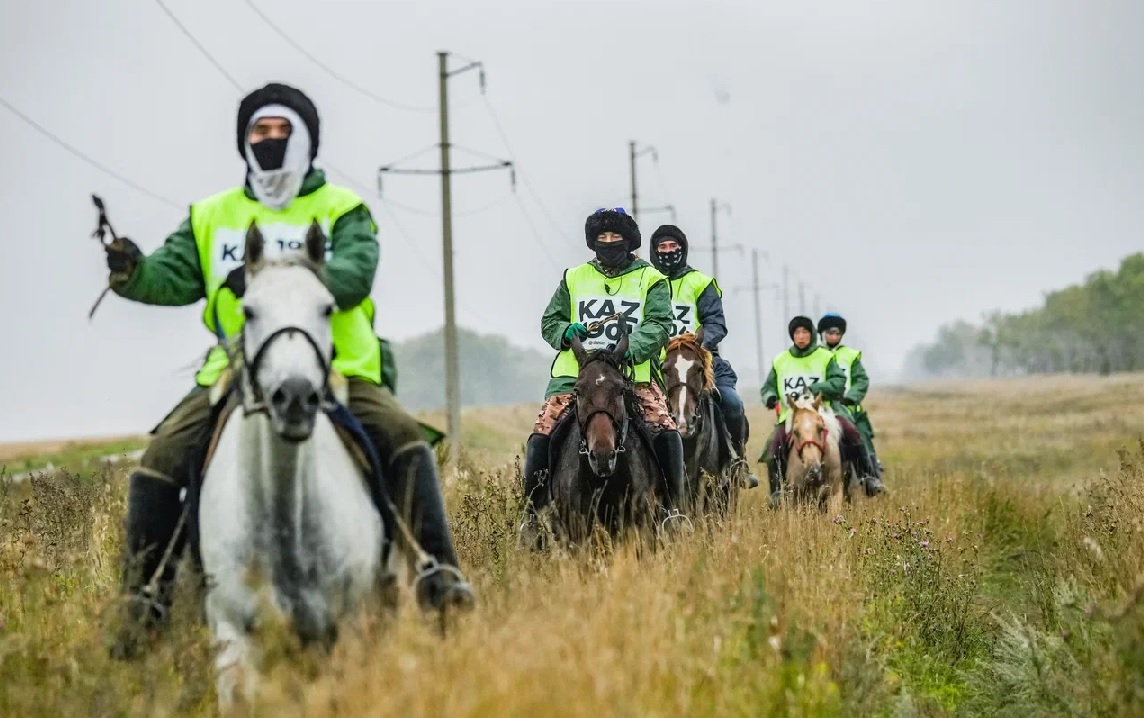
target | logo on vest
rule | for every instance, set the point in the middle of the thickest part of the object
(683, 319)
(796, 384)
(594, 309)
(230, 245)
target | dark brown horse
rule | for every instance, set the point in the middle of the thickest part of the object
(604, 469)
(688, 371)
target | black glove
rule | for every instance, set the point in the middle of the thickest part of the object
(236, 281)
(847, 401)
(772, 402)
(122, 255)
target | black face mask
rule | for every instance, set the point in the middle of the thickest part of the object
(270, 153)
(670, 261)
(612, 255)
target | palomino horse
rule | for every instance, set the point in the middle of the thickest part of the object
(605, 472)
(282, 497)
(814, 458)
(689, 374)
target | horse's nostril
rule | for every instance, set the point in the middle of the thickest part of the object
(279, 398)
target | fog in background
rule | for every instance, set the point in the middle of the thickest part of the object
(912, 163)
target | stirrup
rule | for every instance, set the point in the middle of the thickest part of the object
(432, 567)
(676, 515)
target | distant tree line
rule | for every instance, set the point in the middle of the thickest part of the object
(493, 372)
(1093, 327)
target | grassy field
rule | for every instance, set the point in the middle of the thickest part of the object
(1001, 576)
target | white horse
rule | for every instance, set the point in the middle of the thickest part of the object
(282, 497)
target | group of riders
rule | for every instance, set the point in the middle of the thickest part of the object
(277, 136)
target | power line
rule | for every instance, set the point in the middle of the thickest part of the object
(183, 28)
(523, 180)
(94, 163)
(434, 213)
(331, 72)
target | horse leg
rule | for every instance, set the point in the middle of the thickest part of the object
(236, 681)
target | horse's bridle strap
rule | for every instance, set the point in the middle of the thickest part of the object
(259, 403)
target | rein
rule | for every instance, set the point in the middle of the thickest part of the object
(621, 428)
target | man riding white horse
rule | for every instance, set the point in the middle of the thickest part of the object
(277, 138)
(697, 301)
(832, 327)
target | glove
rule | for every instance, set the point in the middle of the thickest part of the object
(575, 330)
(629, 357)
(236, 281)
(772, 402)
(123, 255)
(848, 401)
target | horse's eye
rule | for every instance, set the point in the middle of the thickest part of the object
(247, 312)
(328, 311)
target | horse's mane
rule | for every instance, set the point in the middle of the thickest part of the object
(605, 355)
(687, 341)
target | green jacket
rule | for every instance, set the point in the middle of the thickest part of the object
(832, 388)
(645, 343)
(171, 276)
(859, 382)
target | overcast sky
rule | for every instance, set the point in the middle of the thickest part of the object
(912, 162)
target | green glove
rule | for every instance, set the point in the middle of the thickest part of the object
(575, 330)
(629, 357)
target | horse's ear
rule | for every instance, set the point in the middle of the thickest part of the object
(789, 421)
(622, 347)
(255, 246)
(578, 350)
(818, 401)
(316, 244)
(699, 337)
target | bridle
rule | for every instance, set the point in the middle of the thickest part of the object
(253, 400)
(619, 427)
(799, 445)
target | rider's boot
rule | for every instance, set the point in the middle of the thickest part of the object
(153, 509)
(536, 491)
(669, 453)
(865, 461)
(417, 495)
(774, 478)
(739, 444)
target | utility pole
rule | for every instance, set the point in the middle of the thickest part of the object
(801, 298)
(756, 288)
(817, 304)
(633, 154)
(446, 171)
(715, 207)
(759, 356)
(786, 292)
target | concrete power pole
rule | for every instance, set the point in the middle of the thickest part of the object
(446, 171)
(715, 207)
(452, 358)
(633, 154)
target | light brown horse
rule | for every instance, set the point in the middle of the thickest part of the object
(814, 459)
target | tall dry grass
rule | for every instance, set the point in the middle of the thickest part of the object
(1001, 576)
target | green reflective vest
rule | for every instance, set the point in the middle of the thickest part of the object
(220, 223)
(685, 293)
(592, 297)
(793, 374)
(846, 356)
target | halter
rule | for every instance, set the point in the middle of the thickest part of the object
(257, 403)
(620, 428)
(800, 445)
